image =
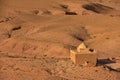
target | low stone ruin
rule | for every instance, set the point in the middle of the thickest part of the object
(83, 56)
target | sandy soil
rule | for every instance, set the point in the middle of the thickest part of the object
(36, 36)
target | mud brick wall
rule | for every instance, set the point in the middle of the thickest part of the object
(85, 59)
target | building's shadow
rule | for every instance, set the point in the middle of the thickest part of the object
(104, 61)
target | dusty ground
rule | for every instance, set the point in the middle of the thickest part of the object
(36, 36)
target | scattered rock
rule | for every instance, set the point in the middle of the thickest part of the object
(113, 66)
(70, 13)
(16, 28)
(64, 6)
(97, 8)
(6, 19)
(35, 12)
(46, 12)
(116, 59)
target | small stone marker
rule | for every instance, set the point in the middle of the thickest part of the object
(83, 56)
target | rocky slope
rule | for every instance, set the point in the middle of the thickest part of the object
(36, 36)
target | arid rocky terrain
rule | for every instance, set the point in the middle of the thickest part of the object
(36, 37)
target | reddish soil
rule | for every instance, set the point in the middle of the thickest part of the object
(36, 37)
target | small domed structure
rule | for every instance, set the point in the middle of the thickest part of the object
(82, 46)
(83, 55)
